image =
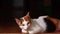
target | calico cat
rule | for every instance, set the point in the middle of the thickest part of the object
(41, 24)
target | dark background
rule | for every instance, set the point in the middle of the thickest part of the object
(10, 9)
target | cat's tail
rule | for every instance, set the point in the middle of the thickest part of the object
(55, 21)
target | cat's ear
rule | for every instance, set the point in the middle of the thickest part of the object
(17, 20)
(27, 14)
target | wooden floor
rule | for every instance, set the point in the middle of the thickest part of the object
(22, 33)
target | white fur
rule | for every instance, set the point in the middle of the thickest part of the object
(24, 31)
(38, 25)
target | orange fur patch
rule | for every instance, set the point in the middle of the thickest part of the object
(21, 20)
(54, 20)
(27, 18)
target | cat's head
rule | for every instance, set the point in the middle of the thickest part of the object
(24, 22)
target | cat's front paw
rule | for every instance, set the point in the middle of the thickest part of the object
(23, 31)
(31, 32)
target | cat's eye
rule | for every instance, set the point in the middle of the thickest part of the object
(27, 23)
(23, 24)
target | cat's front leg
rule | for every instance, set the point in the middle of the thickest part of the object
(31, 32)
(24, 31)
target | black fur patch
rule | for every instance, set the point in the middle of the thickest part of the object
(50, 25)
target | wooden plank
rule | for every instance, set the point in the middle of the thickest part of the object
(21, 33)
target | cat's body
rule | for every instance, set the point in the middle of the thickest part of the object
(41, 24)
(36, 26)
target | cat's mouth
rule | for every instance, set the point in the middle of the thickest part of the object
(25, 29)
